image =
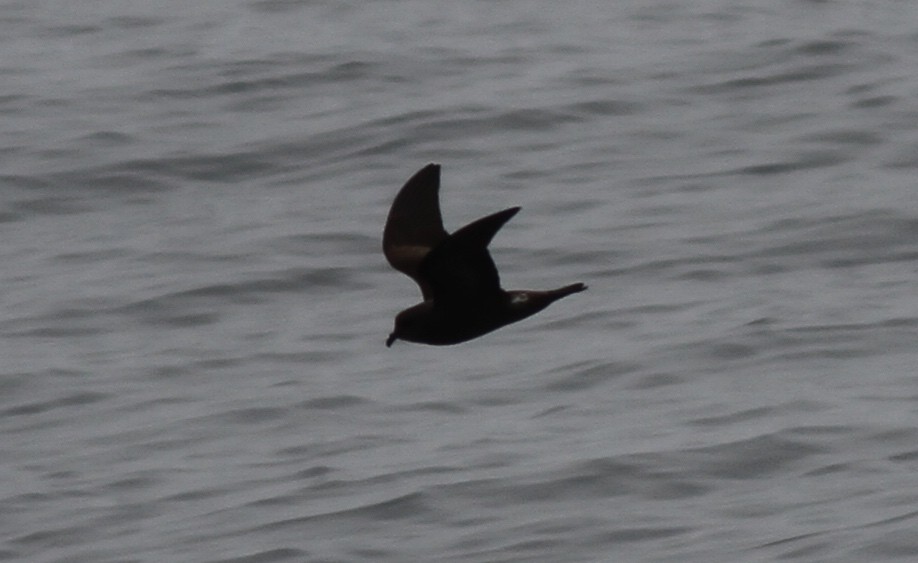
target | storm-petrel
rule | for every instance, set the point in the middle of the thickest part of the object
(459, 282)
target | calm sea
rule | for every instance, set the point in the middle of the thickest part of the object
(194, 301)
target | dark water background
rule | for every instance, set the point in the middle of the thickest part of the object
(194, 301)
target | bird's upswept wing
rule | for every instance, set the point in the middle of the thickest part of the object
(414, 226)
(460, 269)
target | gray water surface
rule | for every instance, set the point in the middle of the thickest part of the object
(195, 303)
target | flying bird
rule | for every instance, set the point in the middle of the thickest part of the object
(458, 279)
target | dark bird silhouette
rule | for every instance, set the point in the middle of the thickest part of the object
(458, 279)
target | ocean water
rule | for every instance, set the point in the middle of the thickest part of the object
(195, 303)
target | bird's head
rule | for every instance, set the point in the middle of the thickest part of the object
(411, 324)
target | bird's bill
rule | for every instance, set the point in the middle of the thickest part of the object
(390, 340)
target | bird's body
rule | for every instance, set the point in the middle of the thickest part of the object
(428, 324)
(458, 280)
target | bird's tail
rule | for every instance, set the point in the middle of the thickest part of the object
(524, 303)
(556, 294)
